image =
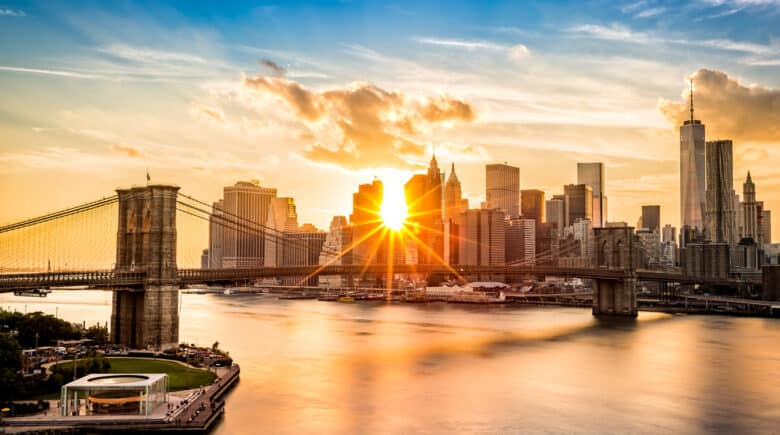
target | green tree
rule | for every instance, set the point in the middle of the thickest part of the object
(10, 365)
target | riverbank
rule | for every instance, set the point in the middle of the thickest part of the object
(195, 412)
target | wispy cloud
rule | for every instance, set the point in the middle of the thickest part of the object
(632, 7)
(613, 32)
(650, 12)
(148, 55)
(461, 43)
(12, 12)
(51, 72)
(515, 52)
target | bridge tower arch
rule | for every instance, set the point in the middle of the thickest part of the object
(615, 252)
(147, 317)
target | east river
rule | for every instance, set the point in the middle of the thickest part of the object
(370, 368)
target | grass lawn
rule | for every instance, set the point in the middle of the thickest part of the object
(179, 377)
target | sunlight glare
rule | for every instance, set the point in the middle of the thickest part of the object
(393, 209)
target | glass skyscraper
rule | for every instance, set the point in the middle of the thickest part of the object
(592, 174)
(502, 189)
(692, 174)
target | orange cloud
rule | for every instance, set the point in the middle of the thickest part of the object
(729, 109)
(376, 128)
(212, 113)
(126, 150)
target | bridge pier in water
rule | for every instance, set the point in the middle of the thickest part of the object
(615, 250)
(147, 317)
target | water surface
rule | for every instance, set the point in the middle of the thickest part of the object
(319, 367)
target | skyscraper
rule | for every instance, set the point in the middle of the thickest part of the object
(337, 242)
(282, 218)
(502, 188)
(556, 212)
(366, 220)
(750, 216)
(520, 241)
(592, 174)
(424, 199)
(578, 202)
(668, 233)
(482, 237)
(453, 197)
(651, 217)
(692, 173)
(720, 217)
(248, 204)
(453, 207)
(532, 204)
(766, 226)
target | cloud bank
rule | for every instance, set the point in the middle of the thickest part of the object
(361, 126)
(729, 109)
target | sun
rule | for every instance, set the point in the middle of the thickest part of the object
(393, 210)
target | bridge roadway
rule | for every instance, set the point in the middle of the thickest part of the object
(110, 279)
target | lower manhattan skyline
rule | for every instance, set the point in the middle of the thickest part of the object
(372, 217)
(260, 104)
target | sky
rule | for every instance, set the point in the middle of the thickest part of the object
(315, 98)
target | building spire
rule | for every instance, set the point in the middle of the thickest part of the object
(691, 99)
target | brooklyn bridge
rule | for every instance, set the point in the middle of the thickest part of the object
(145, 280)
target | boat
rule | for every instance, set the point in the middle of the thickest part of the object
(329, 298)
(39, 292)
(295, 296)
(346, 299)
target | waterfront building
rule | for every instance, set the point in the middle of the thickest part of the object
(592, 174)
(692, 173)
(720, 217)
(482, 237)
(578, 202)
(248, 204)
(336, 251)
(282, 218)
(502, 188)
(705, 259)
(302, 248)
(520, 245)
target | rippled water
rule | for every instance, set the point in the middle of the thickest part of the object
(319, 367)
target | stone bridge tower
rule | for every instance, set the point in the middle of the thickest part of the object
(614, 249)
(147, 317)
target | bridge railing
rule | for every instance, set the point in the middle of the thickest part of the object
(71, 278)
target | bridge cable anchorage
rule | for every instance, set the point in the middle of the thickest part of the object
(252, 225)
(252, 228)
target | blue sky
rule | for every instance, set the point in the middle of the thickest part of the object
(96, 92)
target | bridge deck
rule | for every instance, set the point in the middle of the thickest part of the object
(112, 278)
